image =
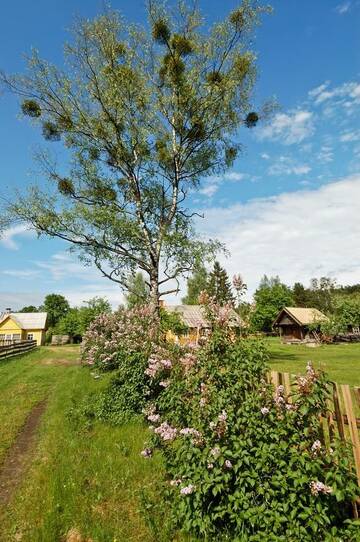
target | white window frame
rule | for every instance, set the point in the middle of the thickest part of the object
(30, 336)
(8, 337)
(16, 337)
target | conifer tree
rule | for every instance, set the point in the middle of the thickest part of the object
(219, 285)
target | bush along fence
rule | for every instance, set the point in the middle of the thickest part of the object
(342, 420)
(15, 348)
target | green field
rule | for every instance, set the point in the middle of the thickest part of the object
(341, 362)
(89, 479)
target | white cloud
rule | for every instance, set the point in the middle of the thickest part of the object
(8, 236)
(296, 235)
(350, 135)
(347, 94)
(343, 8)
(212, 183)
(21, 273)
(288, 128)
(285, 166)
(325, 155)
(265, 156)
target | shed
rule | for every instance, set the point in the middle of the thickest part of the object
(21, 326)
(294, 323)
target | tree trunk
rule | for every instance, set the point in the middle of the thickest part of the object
(154, 290)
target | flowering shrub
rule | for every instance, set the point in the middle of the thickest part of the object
(245, 462)
(110, 337)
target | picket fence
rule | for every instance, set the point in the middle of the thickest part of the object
(341, 420)
(14, 348)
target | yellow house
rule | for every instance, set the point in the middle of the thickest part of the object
(22, 326)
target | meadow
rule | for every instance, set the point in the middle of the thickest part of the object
(91, 478)
(340, 361)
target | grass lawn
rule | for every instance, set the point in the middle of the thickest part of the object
(90, 479)
(341, 362)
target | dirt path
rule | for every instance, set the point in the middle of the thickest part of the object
(18, 456)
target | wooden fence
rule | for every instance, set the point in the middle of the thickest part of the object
(14, 348)
(342, 420)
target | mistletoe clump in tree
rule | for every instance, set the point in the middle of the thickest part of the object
(144, 113)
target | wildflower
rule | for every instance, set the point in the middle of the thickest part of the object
(210, 466)
(147, 453)
(174, 483)
(318, 487)
(164, 383)
(264, 411)
(187, 490)
(223, 416)
(228, 464)
(202, 402)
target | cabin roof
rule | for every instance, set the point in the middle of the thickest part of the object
(194, 316)
(302, 315)
(27, 320)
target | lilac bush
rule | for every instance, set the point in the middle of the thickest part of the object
(244, 461)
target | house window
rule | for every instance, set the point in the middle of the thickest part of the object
(30, 336)
(16, 336)
(2, 337)
(8, 337)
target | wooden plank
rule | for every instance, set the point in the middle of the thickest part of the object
(337, 407)
(287, 386)
(354, 435)
(357, 395)
(275, 378)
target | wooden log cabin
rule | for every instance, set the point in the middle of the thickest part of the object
(295, 323)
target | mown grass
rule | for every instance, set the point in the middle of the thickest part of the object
(341, 362)
(86, 477)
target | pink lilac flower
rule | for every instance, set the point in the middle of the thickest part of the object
(318, 487)
(215, 452)
(316, 447)
(223, 416)
(175, 482)
(279, 396)
(164, 383)
(187, 490)
(265, 410)
(147, 453)
(166, 432)
(188, 361)
(228, 464)
(154, 418)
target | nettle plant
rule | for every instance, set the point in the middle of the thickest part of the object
(243, 461)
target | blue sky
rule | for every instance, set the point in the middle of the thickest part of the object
(289, 206)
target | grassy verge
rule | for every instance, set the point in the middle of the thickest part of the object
(91, 478)
(341, 362)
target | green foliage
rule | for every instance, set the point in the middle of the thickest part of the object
(219, 286)
(270, 298)
(172, 321)
(244, 464)
(144, 115)
(29, 308)
(31, 108)
(138, 291)
(196, 284)
(56, 307)
(126, 394)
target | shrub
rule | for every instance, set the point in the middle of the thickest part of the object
(244, 463)
(111, 337)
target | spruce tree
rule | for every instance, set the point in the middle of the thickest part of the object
(219, 286)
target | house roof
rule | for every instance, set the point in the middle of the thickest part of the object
(27, 320)
(194, 316)
(303, 316)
